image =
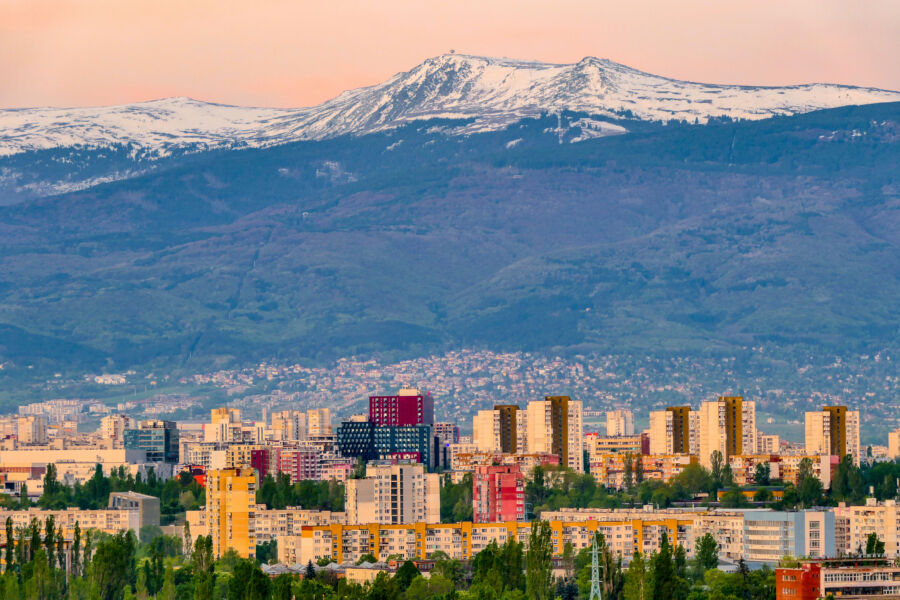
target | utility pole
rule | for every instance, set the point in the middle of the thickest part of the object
(595, 572)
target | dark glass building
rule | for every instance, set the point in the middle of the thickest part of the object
(159, 439)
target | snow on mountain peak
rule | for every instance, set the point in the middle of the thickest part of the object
(494, 92)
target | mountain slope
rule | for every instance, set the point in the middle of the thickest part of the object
(678, 238)
(492, 92)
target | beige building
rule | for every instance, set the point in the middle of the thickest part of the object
(670, 430)
(855, 523)
(230, 510)
(394, 494)
(619, 422)
(109, 521)
(272, 524)
(32, 430)
(727, 425)
(555, 426)
(112, 427)
(462, 541)
(768, 444)
(894, 443)
(833, 430)
(501, 429)
(319, 420)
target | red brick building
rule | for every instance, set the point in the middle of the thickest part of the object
(498, 494)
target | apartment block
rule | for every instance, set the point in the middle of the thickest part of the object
(408, 407)
(894, 443)
(498, 494)
(834, 430)
(855, 523)
(32, 430)
(319, 420)
(727, 425)
(230, 510)
(670, 431)
(619, 422)
(393, 494)
(596, 444)
(555, 426)
(609, 469)
(463, 540)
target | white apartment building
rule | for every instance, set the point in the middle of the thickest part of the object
(32, 430)
(834, 430)
(619, 422)
(894, 443)
(394, 494)
(543, 425)
(855, 523)
(112, 427)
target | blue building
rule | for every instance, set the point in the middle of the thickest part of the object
(367, 441)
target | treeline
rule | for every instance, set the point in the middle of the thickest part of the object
(176, 495)
(553, 488)
(278, 492)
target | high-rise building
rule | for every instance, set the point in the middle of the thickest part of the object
(290, 425)
(159, 439)
(364, 440)
(112, 427)
(555, 426)
(894, 443)
(619, 422)
(447, 432)
(834, 430)
(670, 430)
(32, 430)
(319, 420)
(502, 429)
(498, 494)
(408, 407)
(727, 425)
(394, 494)
(230, 508)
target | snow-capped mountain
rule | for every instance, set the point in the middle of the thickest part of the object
(493, 92)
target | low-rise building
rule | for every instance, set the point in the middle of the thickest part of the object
(855, 524)
(856, 578)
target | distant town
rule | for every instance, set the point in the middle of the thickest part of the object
(363, 492)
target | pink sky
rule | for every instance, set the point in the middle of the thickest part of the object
(301, 52)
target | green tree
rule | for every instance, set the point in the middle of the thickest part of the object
(628, 471)
(716, 461)
(76, 550)
(168, 588)
(762, 474)
(35, 545)
(405, 575)
(662, 571)
(874, 545)
(707, 555)
(41, 585)
(637, 586)
(281, 587)
(538, 563)
(10, 545)
(113, 566)
(50, 540)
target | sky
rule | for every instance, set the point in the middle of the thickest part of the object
(303, 52)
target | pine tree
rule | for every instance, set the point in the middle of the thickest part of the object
(662, 571)
(10, 545)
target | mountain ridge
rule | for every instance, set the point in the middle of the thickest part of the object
(494, 92)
